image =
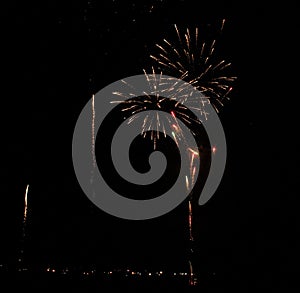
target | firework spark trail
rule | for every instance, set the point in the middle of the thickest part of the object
(193, 154)
(93, 140)
(191, 61)
(24, 224)
(190, 220)
(93, 130)
(191, 279)
(25, 208)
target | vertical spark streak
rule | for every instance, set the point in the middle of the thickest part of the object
(25, 208)
(222, 25)
(93, 140)
(24, 224)
(187, 184)
(190, 221)
(191, 240)
(191, 279)
(193, 155)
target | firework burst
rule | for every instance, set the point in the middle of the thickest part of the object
(194, 61)
(179, 101)
(178, 105)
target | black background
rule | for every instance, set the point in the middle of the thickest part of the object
(59, 54)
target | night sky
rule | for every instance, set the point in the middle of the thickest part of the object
(58, 55)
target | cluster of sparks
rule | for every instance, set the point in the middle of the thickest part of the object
(158, 85)
(154, 99)
(190, 59)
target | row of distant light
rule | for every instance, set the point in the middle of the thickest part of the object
(160, 273)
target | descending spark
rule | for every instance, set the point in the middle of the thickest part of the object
(194, 62)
